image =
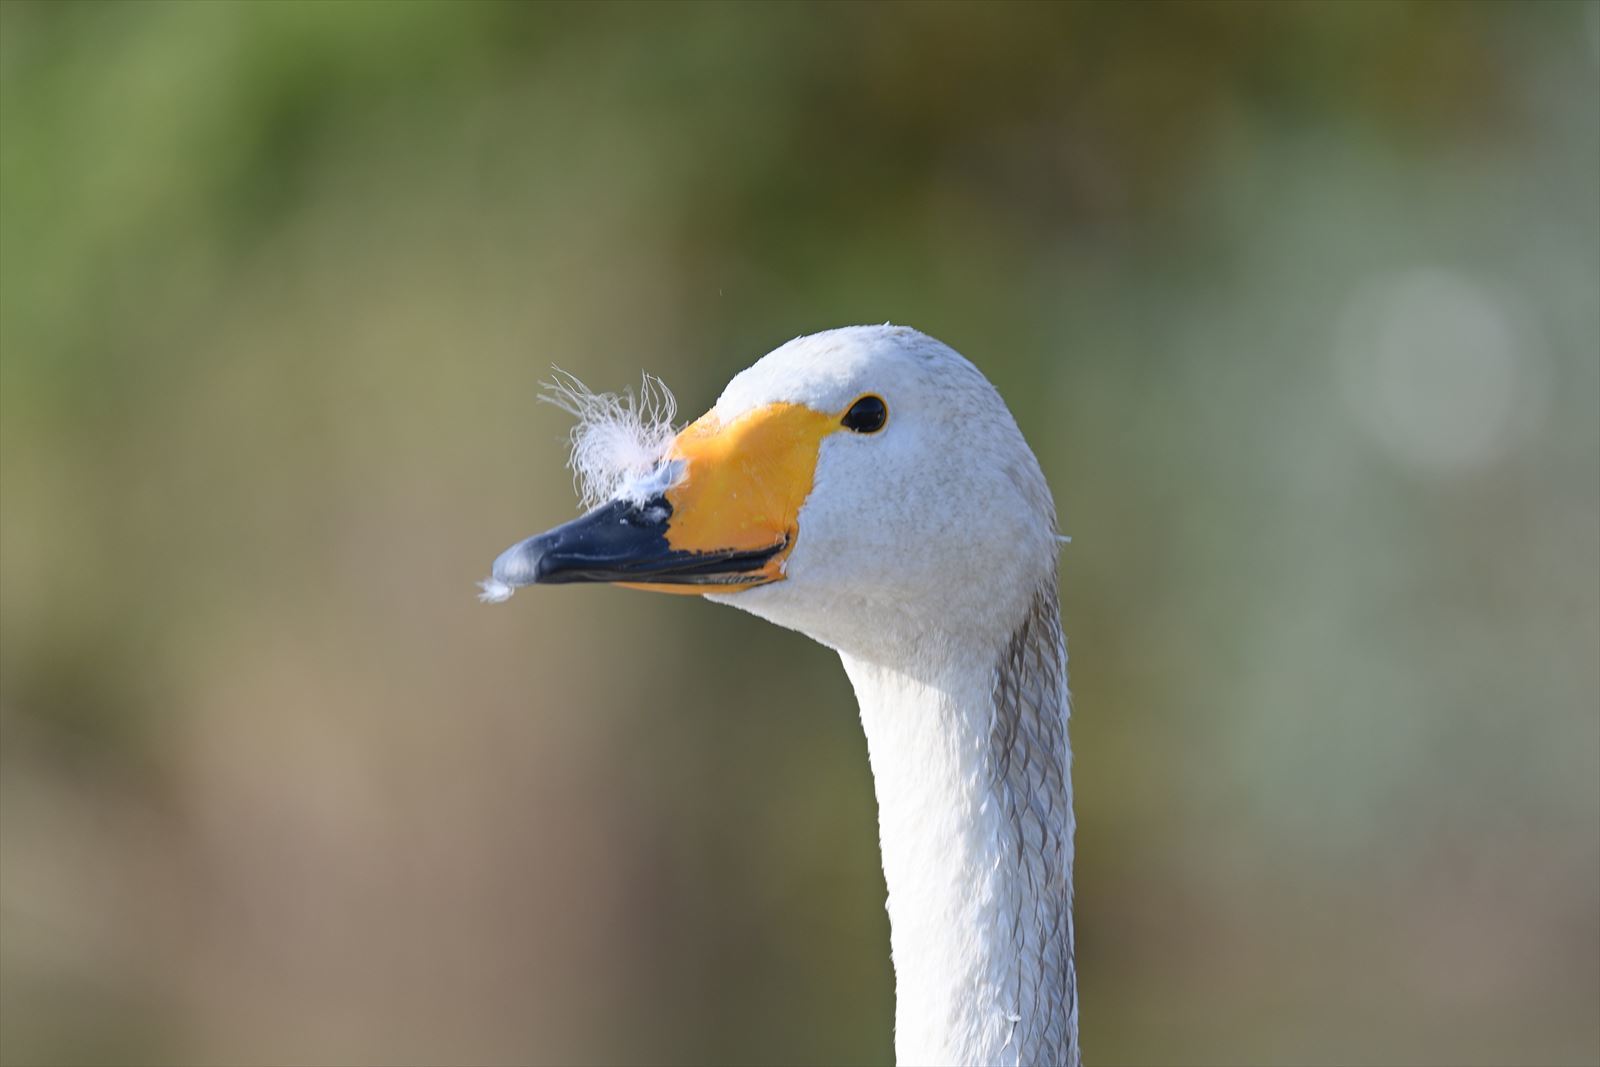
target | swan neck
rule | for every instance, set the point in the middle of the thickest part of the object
(971, 765)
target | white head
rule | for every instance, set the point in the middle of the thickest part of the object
(921, 526)
(866, 486)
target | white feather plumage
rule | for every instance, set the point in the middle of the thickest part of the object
(619, 439)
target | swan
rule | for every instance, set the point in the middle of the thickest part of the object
(868, 487)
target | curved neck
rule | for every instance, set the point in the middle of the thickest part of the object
(972, 769)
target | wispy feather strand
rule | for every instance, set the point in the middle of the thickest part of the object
(620, 439)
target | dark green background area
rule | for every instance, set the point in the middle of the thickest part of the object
(1299, 305)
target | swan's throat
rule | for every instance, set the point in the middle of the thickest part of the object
(972, 769)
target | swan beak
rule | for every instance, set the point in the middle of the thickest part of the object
(628, 543)
(726, 523)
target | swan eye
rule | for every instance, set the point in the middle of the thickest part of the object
(866, 415)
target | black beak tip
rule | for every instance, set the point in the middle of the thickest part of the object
(524, 563)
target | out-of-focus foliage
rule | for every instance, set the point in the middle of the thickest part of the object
(1296, 302)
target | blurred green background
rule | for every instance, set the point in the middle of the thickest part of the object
(1298, 303)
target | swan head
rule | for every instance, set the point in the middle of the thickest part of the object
(866, 486)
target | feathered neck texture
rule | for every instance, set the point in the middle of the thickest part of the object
(971, 765)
